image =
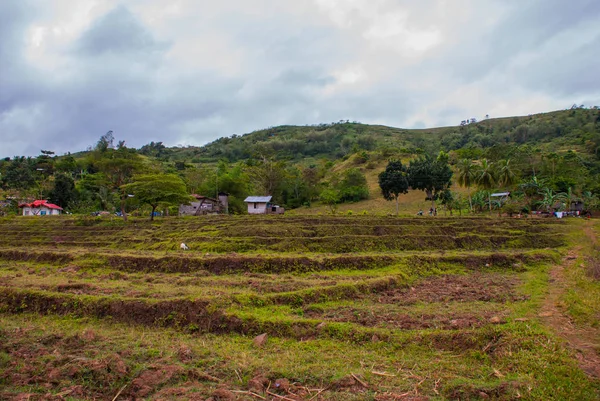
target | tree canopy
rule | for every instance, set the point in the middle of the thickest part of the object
(393, 181)
(156, 189)
(430, 175)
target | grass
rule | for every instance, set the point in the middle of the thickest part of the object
(582, 298)
(84, 319)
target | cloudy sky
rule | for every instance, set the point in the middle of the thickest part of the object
(186, 72)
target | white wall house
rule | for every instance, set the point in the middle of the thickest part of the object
(40, 208)
(262, 205)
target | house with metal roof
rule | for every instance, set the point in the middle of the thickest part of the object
(262, 205)
(40, 208)
(206, 205)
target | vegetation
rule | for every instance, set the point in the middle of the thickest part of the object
(154, 189)
(393, 181)
(100, 307)
(337, 164)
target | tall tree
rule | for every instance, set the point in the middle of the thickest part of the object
(156, 189)
(267, 175)
(467, 175)
(64, 191)
(19, 173)
(118, 168)
(430, 175)
(505, 175)
(393, 181)
(486, 178)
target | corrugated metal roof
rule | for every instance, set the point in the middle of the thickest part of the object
(501, 194)
(41, 203)
(258, 199)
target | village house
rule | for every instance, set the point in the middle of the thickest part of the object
(40, 208)
(205, 205)
(262, 205)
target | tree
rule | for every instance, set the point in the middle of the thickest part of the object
(505, 175)
(267, 176)
(590, 201)
(19, 173)
(353, 186)
(550, 199)
(447, 200)
(156, 189)
(430, 175)
(467, 172)
(532, 189)
(118, 168)
(393, 181)
(568, 198)
(64, 191)
(331, 198)
(105, 142)
(486, 178)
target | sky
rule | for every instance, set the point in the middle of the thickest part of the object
(186, 72)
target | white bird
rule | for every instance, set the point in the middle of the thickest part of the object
(184, 246)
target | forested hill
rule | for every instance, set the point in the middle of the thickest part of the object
(577, 129)
(542, 157)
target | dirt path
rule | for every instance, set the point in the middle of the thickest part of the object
(585, 342)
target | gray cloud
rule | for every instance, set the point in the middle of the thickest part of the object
(119, 33)
(185, 73)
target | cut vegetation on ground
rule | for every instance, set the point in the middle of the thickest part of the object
(353, 308)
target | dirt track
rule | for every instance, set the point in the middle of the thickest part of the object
(585, 342)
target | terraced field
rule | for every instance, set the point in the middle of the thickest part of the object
(353, 308)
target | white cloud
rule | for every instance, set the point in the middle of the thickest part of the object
(189, 72)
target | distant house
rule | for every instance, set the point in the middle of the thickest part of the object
(262, 205)
(205, 205)
(40, 208)
(577, 206)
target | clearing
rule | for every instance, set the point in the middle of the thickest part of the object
(353, 308)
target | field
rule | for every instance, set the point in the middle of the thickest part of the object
(353, 308)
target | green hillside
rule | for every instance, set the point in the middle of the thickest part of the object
(543, 158)
(562, 130)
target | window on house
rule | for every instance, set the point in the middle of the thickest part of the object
(273, 209)
(255, 205)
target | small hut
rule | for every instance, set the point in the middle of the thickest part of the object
(262, 205)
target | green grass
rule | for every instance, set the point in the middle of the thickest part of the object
(458, 323)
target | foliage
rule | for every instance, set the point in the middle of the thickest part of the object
(353, 186)
(155, 189)
(331, 198)
(393, 181)
(63, 193)
(432, 176)
(118, 168)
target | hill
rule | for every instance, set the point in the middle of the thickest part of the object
(562, 130)
(558, 151)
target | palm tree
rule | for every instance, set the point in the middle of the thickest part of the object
(486, 177)
(467, 172)
(553, 158)
(506, 176)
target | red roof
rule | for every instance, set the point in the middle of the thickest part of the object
(41, 203)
